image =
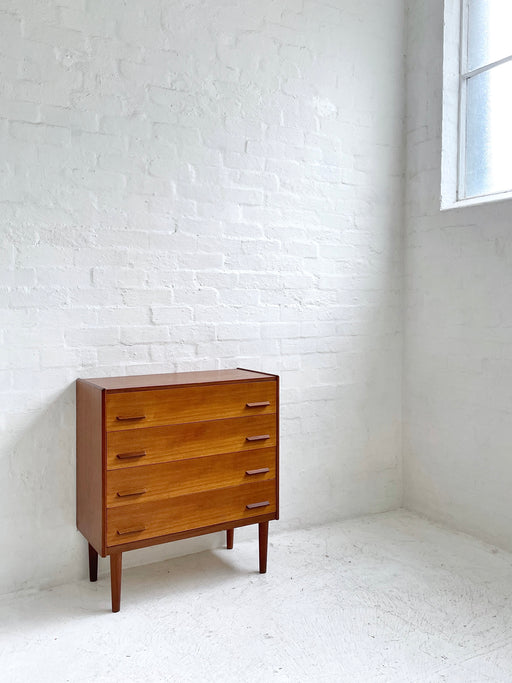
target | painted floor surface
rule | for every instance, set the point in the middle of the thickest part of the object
(389, 597)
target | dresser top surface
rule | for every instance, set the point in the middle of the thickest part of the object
(176, 379)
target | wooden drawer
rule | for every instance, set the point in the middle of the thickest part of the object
(138, 521)
(135, 409)
(128, 448)
(168, 480)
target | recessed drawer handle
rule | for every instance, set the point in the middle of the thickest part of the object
(259, 404)
(125, 418)
(261, 437)
(131, 530)
(124, 494)
(251, 506)
(263, 470)
(128, 456)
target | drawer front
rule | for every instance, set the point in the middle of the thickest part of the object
(128, 448)
(149, 520)
(171, 479)
(136, 409)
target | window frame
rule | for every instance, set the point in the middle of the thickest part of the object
(455, 80)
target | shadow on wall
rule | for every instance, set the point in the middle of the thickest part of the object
(40, 535)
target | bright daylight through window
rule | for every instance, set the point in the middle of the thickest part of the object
(483, 100)
(486, 98)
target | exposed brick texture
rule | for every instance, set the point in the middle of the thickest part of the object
(198, 185)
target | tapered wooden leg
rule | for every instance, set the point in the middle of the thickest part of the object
(263, 540)
(93, 564)
(230, 534)
(116, 569)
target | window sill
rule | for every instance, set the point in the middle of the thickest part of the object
(446, 205)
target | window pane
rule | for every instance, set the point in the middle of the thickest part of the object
(489, 31)
(489, 132)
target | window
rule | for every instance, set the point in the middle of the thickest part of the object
(480, 92)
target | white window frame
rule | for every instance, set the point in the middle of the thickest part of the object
(455, 77)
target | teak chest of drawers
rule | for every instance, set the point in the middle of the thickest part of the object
(166, 457)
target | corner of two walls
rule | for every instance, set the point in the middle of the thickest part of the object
(195, 186)
(458, 322)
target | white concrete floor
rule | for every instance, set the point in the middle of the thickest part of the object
(389, 597)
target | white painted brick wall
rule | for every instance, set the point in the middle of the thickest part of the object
(195, 185)
(458, 331)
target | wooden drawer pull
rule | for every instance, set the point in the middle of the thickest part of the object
(251, 506)
(131, 530)
(261, 437)
(125, 494)
(259, 404)
(263, 470)
(125, 418)
(128, 456)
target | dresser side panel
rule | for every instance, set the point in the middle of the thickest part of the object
(278, 403)
(89, 463)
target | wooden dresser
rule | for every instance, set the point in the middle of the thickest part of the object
(166, 457)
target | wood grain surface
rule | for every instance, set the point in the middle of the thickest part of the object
(187, 404)
(188, 512)
(89, 464)
(172, 479)
(176, 442)
(136, 382)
